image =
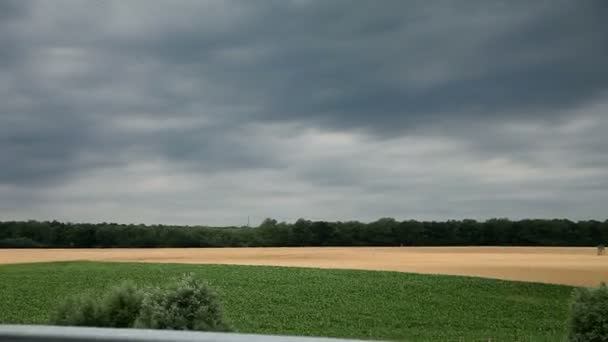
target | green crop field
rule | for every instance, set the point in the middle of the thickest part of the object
(300, 301)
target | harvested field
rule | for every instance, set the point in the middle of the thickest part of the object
(559, 265)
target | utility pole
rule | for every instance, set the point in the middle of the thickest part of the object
(247, 220)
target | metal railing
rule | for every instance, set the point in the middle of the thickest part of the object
(43, 333)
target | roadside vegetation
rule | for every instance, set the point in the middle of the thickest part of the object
(589, 315)
(187, 305)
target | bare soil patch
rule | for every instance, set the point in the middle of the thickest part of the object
(559, 265)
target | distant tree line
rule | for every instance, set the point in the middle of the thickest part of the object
(383, 232)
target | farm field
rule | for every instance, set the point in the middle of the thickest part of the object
(319, 302)
(560, 265)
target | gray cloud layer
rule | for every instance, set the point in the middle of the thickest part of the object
(209, 111)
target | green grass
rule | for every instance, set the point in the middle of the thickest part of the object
(300, 301)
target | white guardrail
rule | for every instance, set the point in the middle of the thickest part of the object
(44, 333)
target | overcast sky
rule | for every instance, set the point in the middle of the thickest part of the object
(206, 112)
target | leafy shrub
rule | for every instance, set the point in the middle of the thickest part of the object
(19, 242)
(589, 315)
(189, 305)
(80, 310)
(120, 307)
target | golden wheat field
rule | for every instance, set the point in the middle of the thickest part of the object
(560, 265)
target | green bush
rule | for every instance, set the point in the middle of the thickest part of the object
(82, 310)
(589, 315)
(120, 306)
(189, 305)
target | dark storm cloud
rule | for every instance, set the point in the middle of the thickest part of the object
(86, 86)
(549, 61)
(12, 10)
(383, 69)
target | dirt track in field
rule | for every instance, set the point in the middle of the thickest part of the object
(572, 266)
